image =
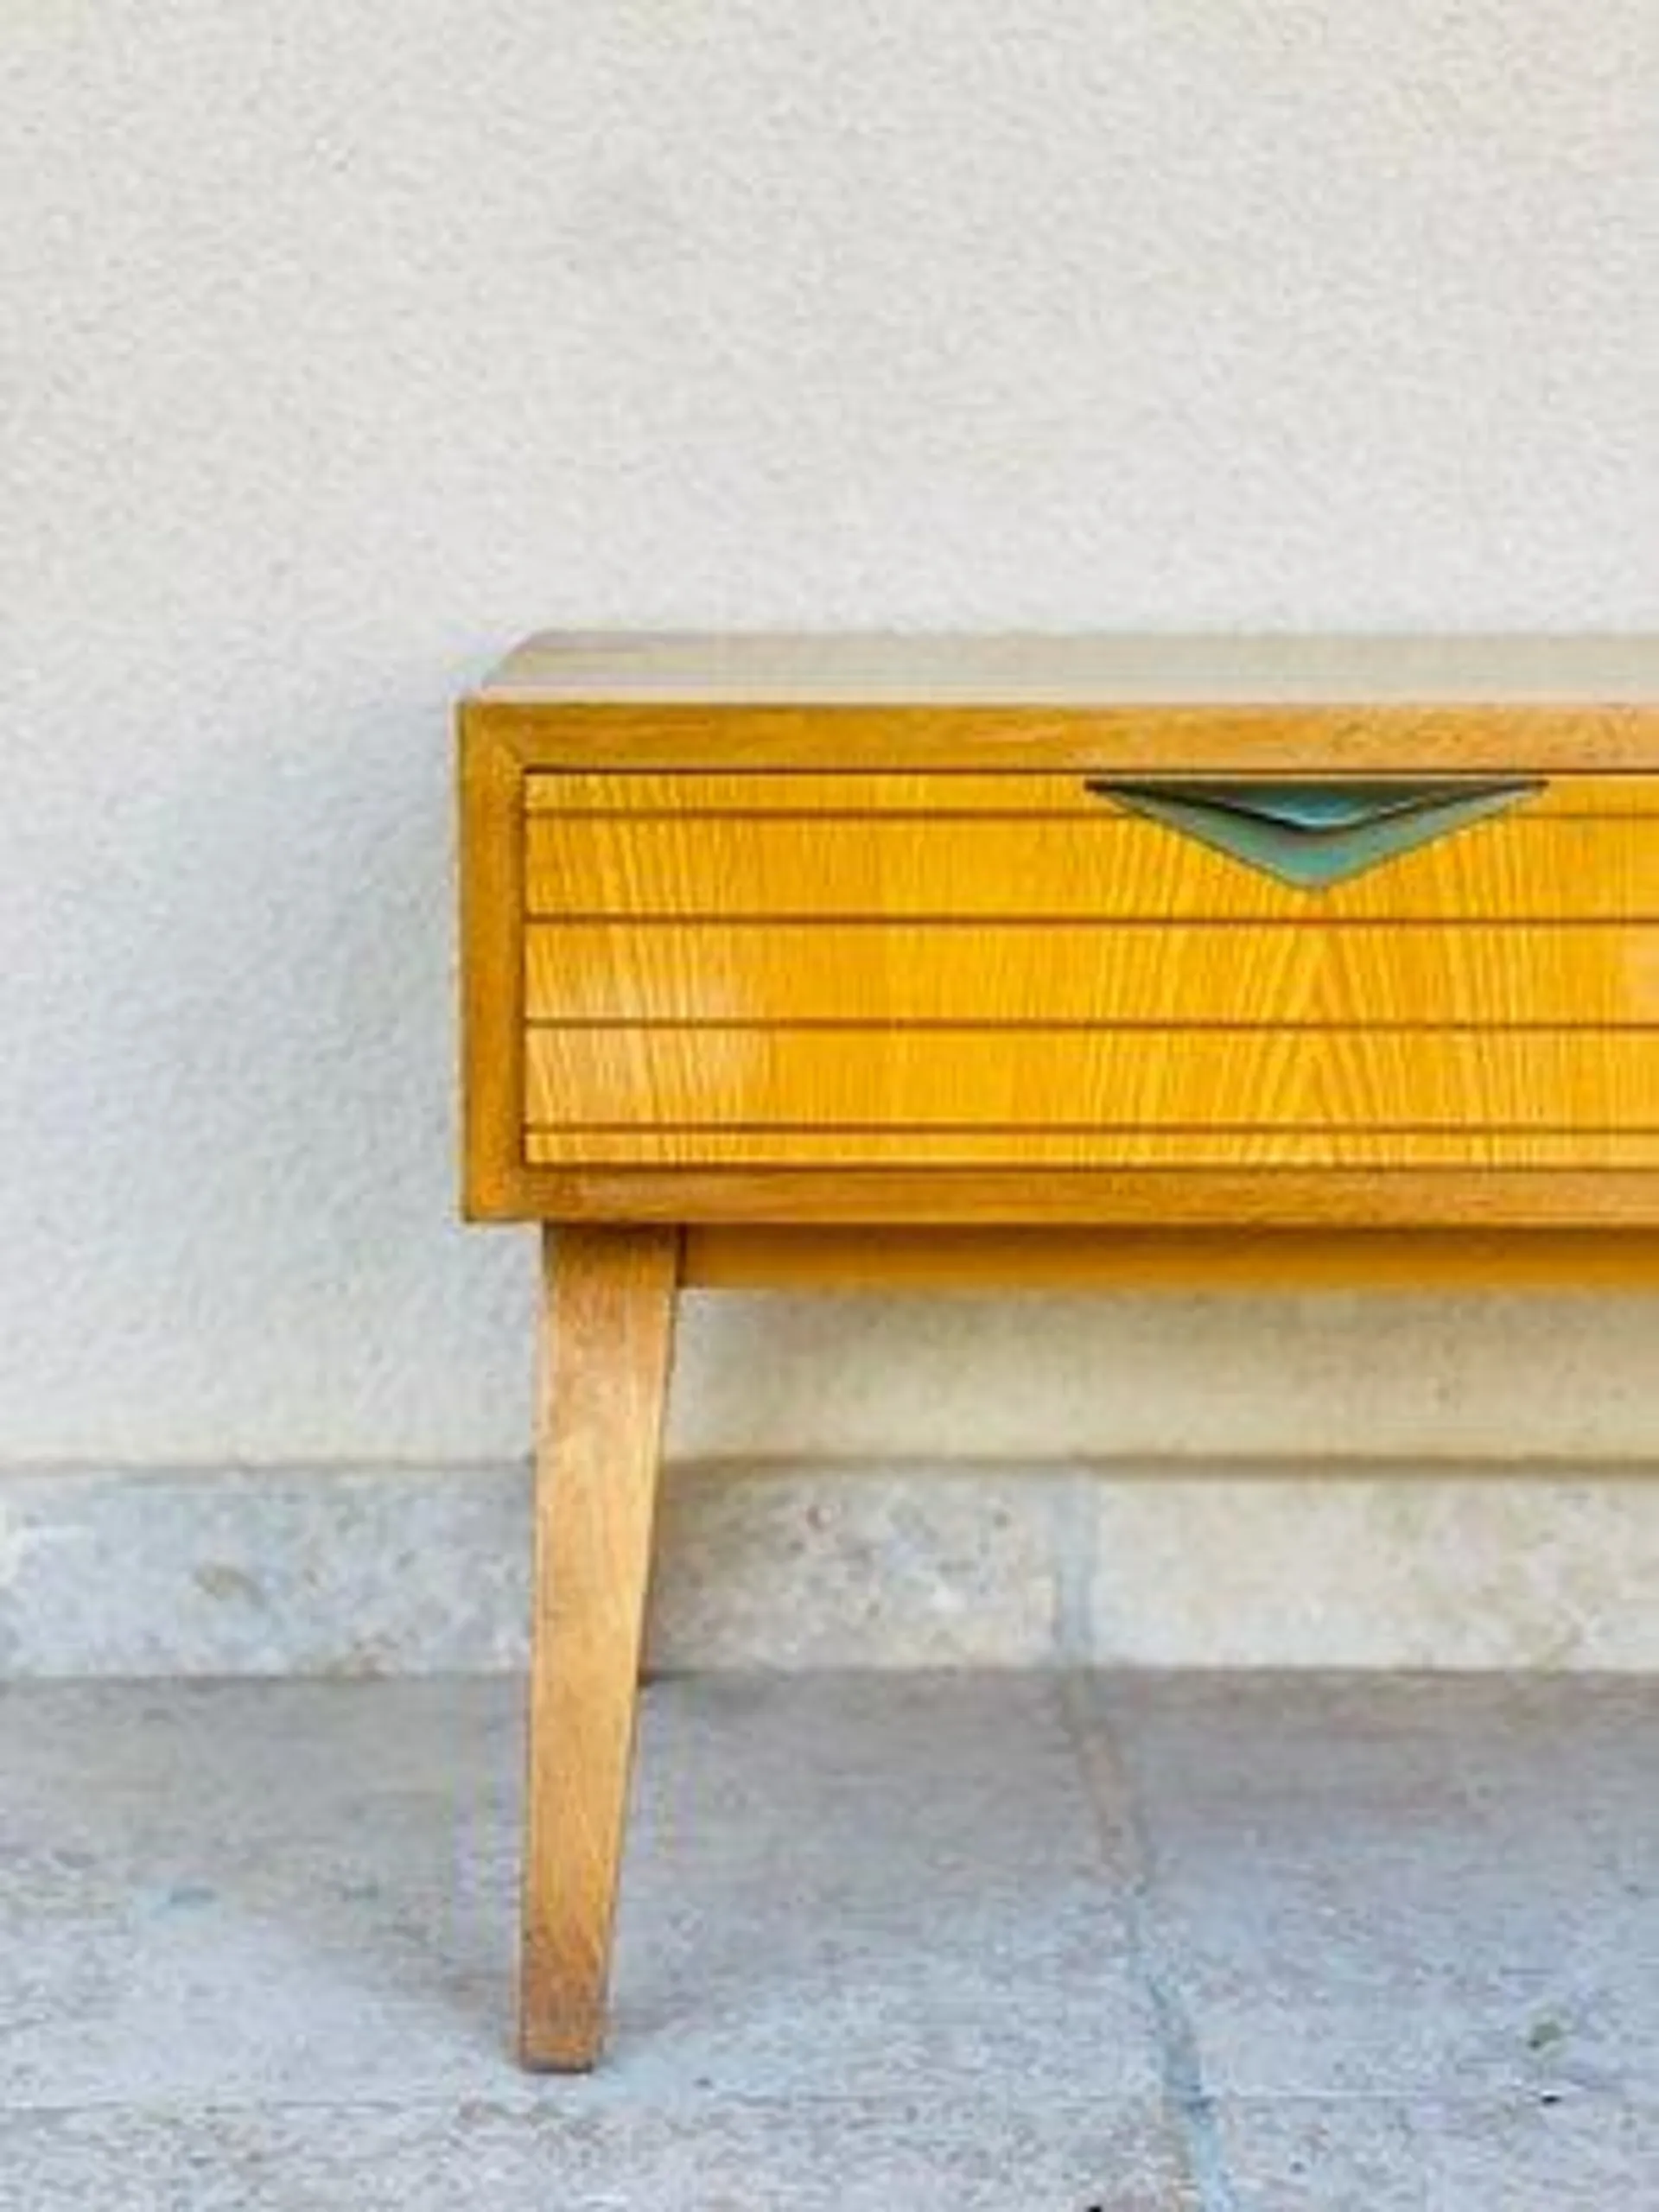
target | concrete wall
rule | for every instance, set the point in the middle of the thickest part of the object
(341, 345)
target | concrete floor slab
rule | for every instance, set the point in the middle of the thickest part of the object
(1023, 1942)
(1414, 1889)
(1342, 2154)
(1349, 2154)
(707, 2155)
(304, 1890)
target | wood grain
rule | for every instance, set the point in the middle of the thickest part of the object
(606, 1335)
(1093, 1086)
(1401, 1196)
(1106, 865)
(1333, 672)
(491, 968)
(739, 1256)
(1578, 737)
(1005, 1154)
(948, 791)
(625, 972)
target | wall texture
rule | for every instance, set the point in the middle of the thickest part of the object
(342, 344)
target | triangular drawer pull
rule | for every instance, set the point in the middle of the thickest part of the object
(1311, 834)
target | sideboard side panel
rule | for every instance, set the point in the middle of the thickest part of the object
(494, 1182)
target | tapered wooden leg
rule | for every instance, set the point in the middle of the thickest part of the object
(608, 1317)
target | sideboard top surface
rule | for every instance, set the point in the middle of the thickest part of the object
(1011, 669)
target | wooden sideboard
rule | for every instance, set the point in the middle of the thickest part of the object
(969, 962)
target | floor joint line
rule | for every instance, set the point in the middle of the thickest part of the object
(1109, 1783)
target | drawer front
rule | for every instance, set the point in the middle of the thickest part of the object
(1013, 970)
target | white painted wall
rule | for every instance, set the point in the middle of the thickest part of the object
(343, 344)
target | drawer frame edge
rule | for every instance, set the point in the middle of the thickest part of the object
(1585, 737)
(1604, 1198)
(497, 1183)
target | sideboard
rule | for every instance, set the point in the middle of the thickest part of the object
(961, 963)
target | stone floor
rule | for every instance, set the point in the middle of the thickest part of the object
(889, 1943)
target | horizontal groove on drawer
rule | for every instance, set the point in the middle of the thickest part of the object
(1171, 1077)
(1319, 922)
(1000, 866)
(950, 794)
(1016, 1026)
(904, 1148)
(1075, 1129)
(1099, 974)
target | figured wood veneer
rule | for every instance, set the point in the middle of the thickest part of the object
(1093, 1089)
(1100, 863)
(954, 967)
(627, 973)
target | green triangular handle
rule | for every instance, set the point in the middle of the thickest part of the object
(1312, 835)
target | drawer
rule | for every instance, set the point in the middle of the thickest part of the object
(1090, 931)
(959, 969)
